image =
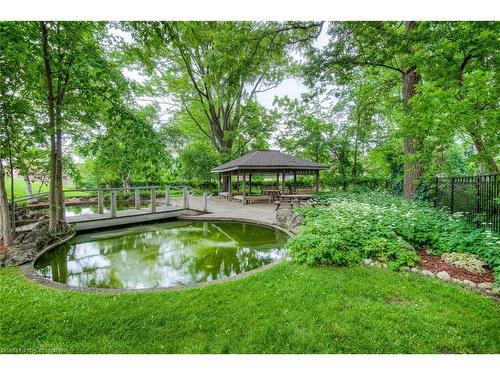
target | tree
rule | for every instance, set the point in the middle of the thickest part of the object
(80, 84)
(215, 69)
(128, 148)
(388, 46)
(196, 161)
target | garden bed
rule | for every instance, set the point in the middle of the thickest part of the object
(435, 264)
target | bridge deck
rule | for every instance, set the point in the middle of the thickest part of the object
(217, 208)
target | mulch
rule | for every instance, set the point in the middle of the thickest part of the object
(435, 264)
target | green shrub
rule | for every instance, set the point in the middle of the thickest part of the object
(349, 227)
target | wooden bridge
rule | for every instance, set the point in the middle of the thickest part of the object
(159, 208)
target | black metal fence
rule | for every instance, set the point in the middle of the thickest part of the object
(477, 197)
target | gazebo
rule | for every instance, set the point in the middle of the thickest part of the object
(265, 162)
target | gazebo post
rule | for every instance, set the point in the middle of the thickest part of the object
(229, 185)
(317, 181)
(277, 180)
(283, 182)
(249, 183)
(294, 181)
(220, 181)
(238, 180)
(243, 190)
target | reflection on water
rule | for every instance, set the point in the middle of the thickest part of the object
(92, 208)
(162, 255)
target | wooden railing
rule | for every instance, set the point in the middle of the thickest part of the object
(100, 194)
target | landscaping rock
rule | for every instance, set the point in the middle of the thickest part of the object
(495, 290)
(470, 284)
(30, 243)
(458, 281)
(468, 262)
(286, 219)
(367, 262)
(428, 273)
(414, 269)
(485, 285)
(443, 275)
(405, 268)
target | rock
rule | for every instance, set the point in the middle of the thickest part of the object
(367, 262)
(384, 265)
(428, 252)
(443, 275)
(286, 219)
(458, 281)
(406, 269)
(485, 285)
(468, 262)
(414, 269)
(29, 244)
(428, 273)
(470, 284)
(495, 290)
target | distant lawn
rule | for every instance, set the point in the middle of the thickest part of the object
(37, 186)
(286, 309)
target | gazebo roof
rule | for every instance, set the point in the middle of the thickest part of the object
(271, 160)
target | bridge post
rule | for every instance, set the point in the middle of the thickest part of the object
(137, 196)
(113, 203)
(153, 199)
(100, 201)
(185, 194)
(205, 202)
(167, 195)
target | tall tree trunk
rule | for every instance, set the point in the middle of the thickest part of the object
(5, 218)
(482, 151)
(53, 212)
(412, 166)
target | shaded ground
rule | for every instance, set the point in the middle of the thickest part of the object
(286, 309)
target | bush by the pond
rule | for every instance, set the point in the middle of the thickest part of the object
(353, 226)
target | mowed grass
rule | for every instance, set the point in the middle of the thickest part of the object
(286, 309)
(36, 187)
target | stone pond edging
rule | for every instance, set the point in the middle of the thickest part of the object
(28, 269)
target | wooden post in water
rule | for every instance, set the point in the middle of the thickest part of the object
(185, 195)
(205, 202)
(137, 193)
(100, 201)
(153, 200)
(167, 195)
(113, 203)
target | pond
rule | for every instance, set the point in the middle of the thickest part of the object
(84, 209)
(162, 255)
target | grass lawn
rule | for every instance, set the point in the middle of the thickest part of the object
(36, 186)
(286, 309)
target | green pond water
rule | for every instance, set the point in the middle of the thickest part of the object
(92, 208)
(162, 255)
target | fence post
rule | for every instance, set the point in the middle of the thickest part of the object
(478, 195)
(185, 195)
(113, 203)
(100, 201)
(452, 204)
(137, 197)
(167, 195)
(205, 202)
(153, 199)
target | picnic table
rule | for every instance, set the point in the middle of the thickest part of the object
(274, 193)
(291, 199)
